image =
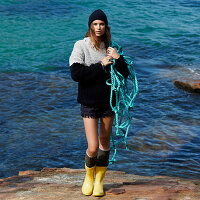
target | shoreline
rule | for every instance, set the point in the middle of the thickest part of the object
(65, 183)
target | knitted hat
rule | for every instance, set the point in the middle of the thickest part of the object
(98, 15)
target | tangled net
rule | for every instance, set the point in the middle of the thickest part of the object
(125, 91)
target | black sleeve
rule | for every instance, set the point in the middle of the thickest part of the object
(82, 73)
(121, 66)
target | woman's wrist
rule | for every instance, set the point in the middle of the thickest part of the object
(118, 57)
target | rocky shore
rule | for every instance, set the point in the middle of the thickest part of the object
(65, 184)
(190, 85)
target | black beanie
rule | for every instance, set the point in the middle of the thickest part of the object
(98, 15)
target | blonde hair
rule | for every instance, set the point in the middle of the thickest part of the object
(106, 37)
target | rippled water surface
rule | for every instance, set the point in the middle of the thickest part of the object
(40, 123)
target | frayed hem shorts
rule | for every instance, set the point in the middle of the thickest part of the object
(96, 112)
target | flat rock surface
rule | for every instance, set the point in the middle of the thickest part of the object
(65, 183)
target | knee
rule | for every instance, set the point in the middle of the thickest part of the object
(92, 150)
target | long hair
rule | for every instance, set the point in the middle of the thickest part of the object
(106, 37)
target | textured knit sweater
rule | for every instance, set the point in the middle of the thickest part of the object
(86, 69)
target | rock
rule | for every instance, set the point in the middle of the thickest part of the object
(65, 183)
(28, 172)
(189, 85)
(116, 191)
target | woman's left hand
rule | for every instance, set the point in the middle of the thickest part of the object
(112, 52)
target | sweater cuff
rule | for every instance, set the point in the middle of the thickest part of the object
(101, 65)
(120, 58)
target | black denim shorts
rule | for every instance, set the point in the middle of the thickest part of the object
(96, 112)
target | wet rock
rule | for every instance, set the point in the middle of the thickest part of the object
(65, 183)
(189, 85)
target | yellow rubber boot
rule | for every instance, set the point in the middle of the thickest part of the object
(87, 187)
(98, 185)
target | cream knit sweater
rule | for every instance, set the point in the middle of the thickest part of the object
(85, 53)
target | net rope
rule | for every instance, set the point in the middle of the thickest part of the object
(125, 91)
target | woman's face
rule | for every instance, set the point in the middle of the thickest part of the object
(99, 27)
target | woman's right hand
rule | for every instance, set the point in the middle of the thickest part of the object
(106, 60)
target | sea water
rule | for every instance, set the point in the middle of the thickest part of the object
(40, 122)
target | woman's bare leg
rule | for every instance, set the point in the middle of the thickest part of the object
(105, 132)
(103, 154)
(91, 131)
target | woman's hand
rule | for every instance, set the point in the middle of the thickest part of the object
(106, 61)
(112, 52)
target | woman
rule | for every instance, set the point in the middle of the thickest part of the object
(89, 66)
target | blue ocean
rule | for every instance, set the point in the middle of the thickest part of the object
(40, 122)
